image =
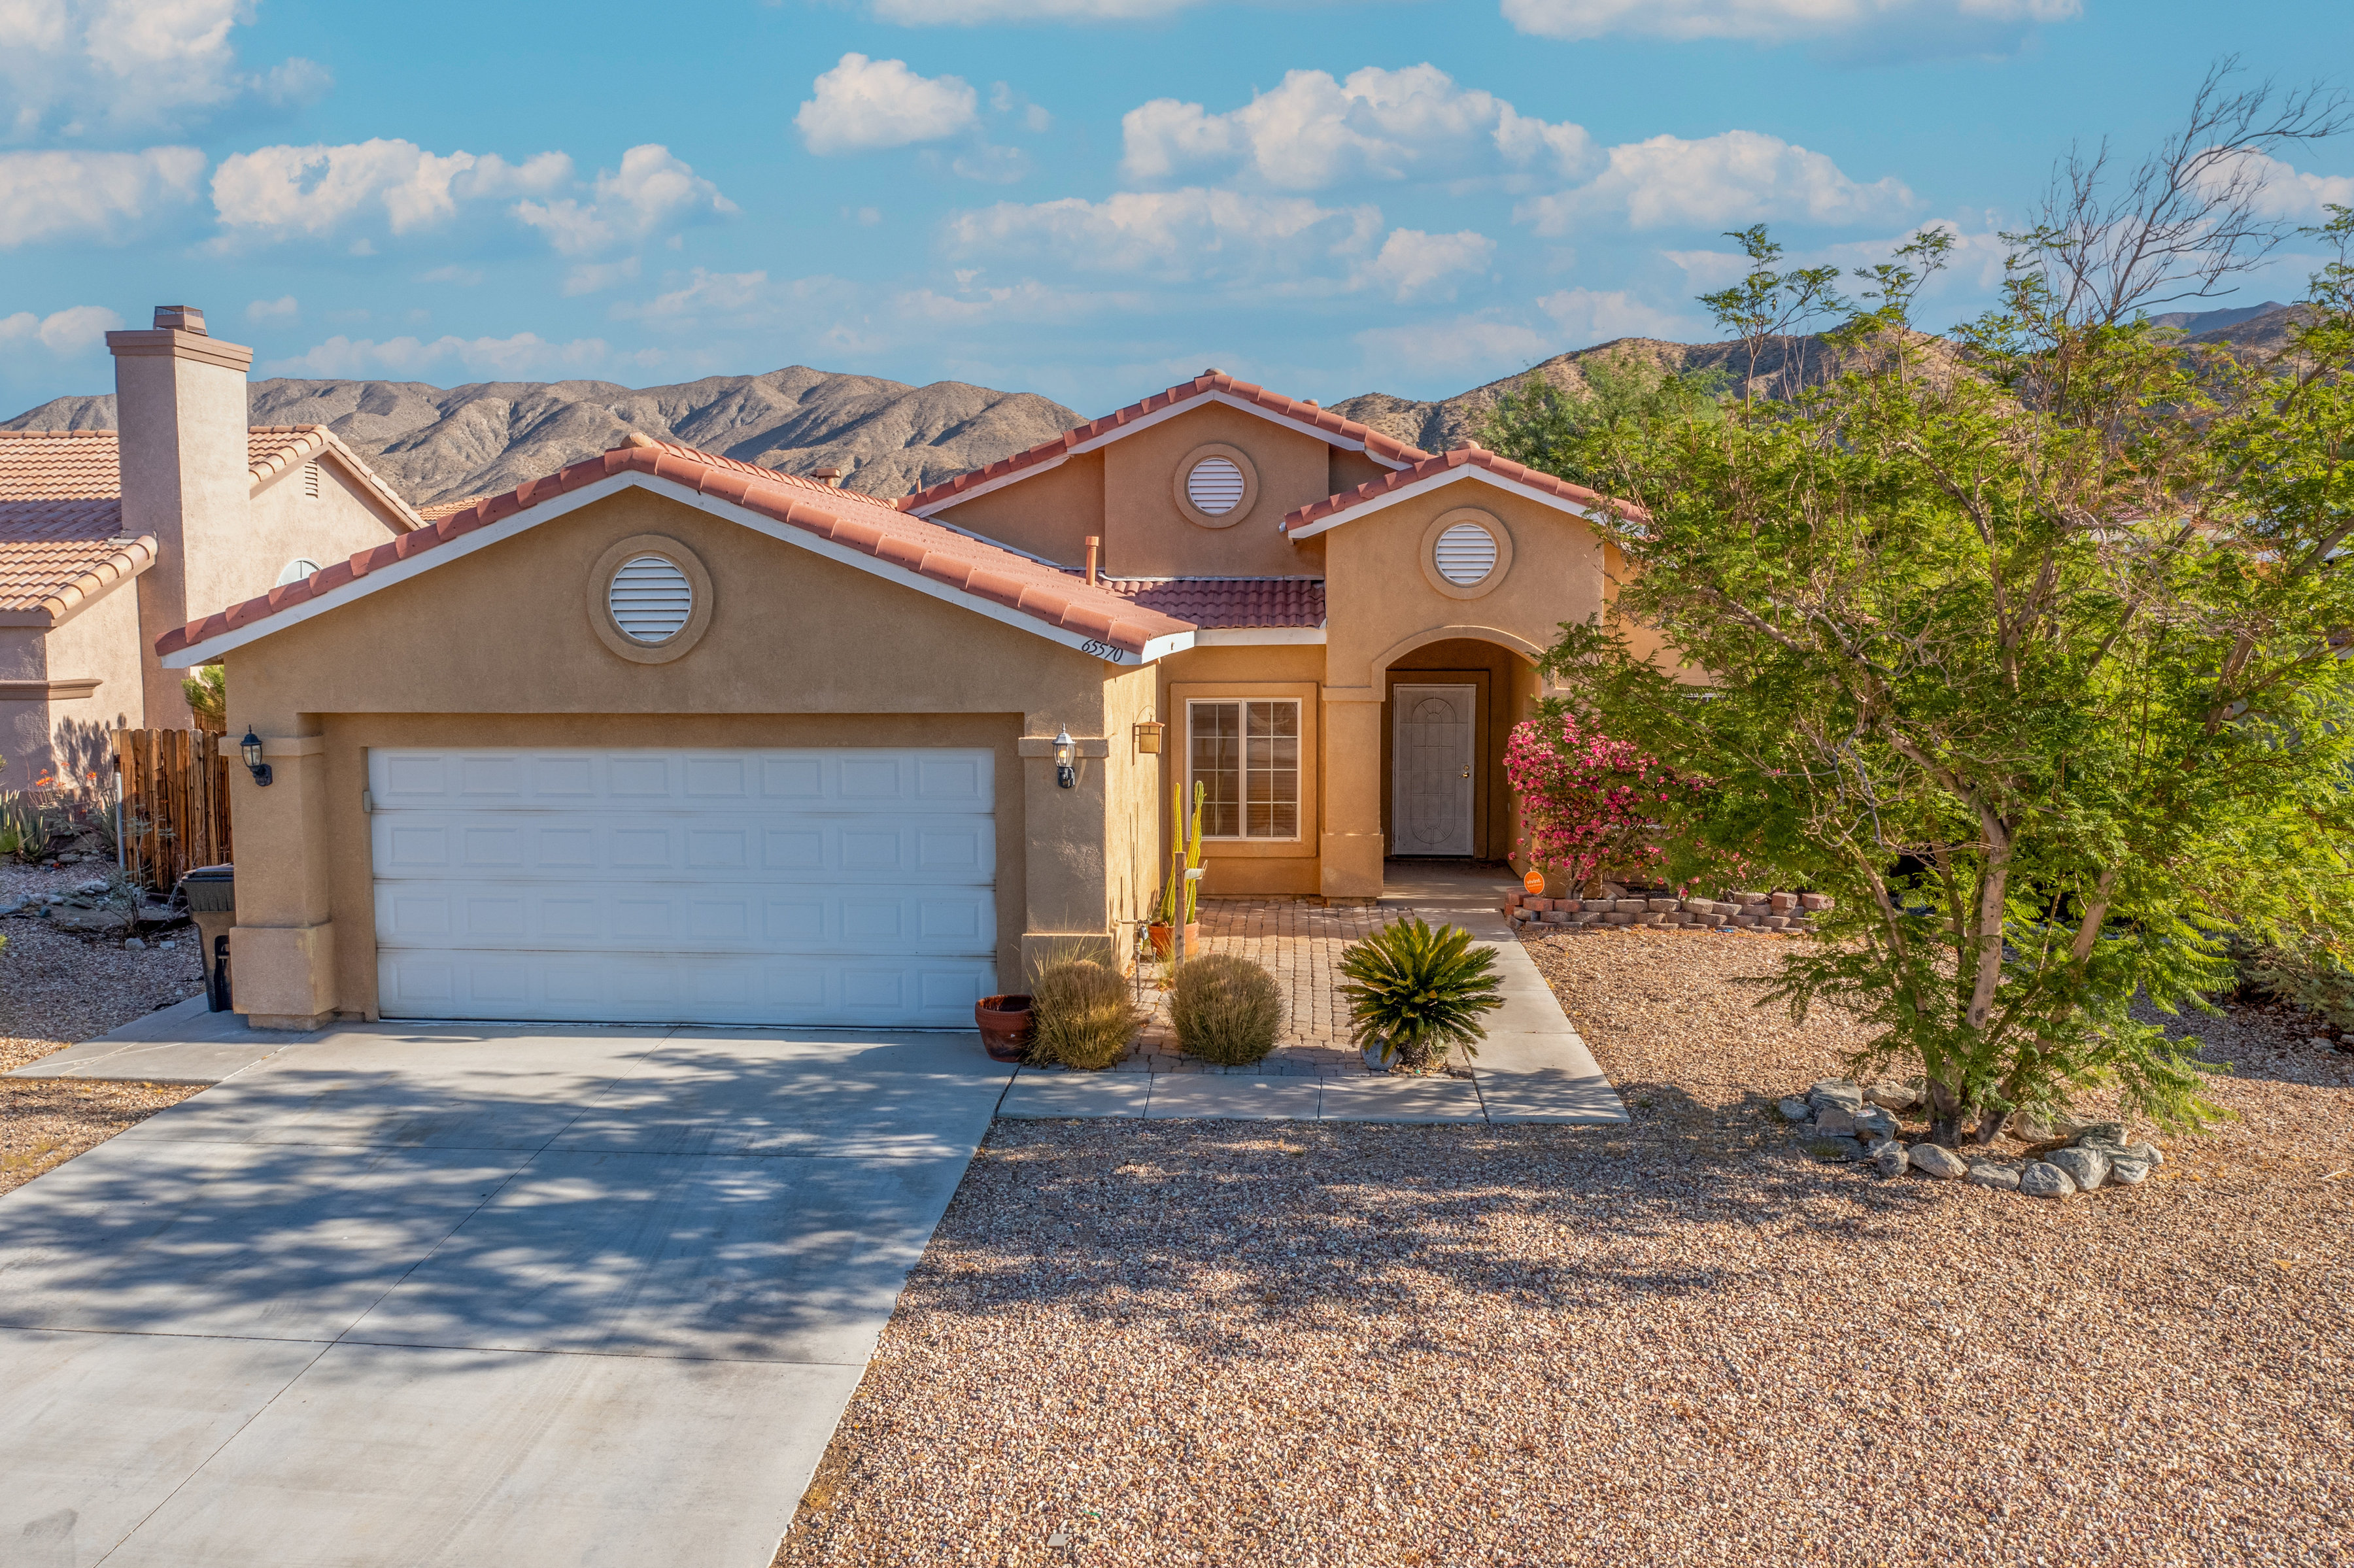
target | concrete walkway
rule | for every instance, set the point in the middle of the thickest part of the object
(518, 1296)
(1532, 1068)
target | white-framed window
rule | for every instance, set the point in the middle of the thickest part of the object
(1244, 752)
(295, 571)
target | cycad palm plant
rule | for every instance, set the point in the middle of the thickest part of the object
(1416, 990)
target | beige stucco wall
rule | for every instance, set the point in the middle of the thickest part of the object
(1048, 515)
(69, 735)
(1147, 536)
(1247, 867)
(498, 647)
(1385, 611)
(284, 523)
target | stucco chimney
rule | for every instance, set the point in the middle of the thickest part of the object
(180, 411)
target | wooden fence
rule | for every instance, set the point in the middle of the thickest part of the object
(175, 801)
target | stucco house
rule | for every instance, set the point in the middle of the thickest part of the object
(109, 538)
(669, 737)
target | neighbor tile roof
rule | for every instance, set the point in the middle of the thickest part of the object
(1211, 603)
(61, 507)
(1503, 467)
(847, 517)
(1305, 415)
(62, 521)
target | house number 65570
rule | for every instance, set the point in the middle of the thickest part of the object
(1103, 651)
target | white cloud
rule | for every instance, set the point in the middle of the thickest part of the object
(595, 277)
(77, 329)
(1028, 304)
(863, 104)
(508, 358)
(1736, 177)
(1465, 347)
(283, 192)
(1173, 236)
(83, 68)
(1313, 131)
(2286, 191)
(280, 309)
(651, 195)
(707, 294)
(465, 277)
(1594, 315)
(1413, 264)
(1777, 21)
(103, 196)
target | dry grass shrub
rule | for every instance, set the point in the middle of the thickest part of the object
(1081, 1015)
(1226, 1009)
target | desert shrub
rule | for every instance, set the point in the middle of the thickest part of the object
(1081, 1015)
(1226, 1009)
(2310, 979)
(1415, 991)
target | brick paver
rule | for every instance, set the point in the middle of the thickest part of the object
(1300, 942)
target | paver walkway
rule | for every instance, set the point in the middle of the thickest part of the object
(394, 1296)
(1532, 1067)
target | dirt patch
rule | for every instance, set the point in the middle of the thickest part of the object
(1189, 1342)
(44, 1122)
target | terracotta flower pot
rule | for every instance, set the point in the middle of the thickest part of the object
(1162, 939)
(1004, 1022)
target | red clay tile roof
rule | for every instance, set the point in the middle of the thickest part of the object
(440, 509)
(62, 521)
(1503, 467)
(847, 517)
(1306, 416)
(61, 508)
(1212, 603)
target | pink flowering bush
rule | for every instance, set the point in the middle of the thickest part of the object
(1589, 805)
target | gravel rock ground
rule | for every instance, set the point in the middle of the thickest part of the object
(58, 989)
(1205, 1342)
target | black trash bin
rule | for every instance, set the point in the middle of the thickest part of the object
(211, 893)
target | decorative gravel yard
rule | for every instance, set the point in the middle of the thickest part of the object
(56, 989)
(1222, 1342)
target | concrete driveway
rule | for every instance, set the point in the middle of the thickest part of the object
(469, 1296)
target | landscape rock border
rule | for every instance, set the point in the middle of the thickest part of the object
(1839, 1119)
(1736, 911)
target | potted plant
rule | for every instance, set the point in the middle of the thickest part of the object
(1415, 991)
(1005, 1022)
(1162, 928)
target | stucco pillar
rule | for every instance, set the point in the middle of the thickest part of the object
(1351, 842)
(283, 951)
(1066, 873)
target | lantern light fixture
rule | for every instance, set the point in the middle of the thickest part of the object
(250, 749)
(1066, 753)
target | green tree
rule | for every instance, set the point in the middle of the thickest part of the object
(2033, 649)
(1549, 428)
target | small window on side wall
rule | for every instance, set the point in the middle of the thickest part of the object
(295, 571)
(1246, 756)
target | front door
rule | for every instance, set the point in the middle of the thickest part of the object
(1431, 761)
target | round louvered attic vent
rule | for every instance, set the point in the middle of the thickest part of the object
(1214, 485)
(1464, 553)
(650, 599)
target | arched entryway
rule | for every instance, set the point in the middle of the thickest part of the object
(1448, 706)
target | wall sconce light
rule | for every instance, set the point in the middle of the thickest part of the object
(250, 749)
(1067, 757)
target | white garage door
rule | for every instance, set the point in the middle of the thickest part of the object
(834, 886)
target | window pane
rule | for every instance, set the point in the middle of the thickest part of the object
(1216, 747)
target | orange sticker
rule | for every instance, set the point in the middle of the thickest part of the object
(1534, 882)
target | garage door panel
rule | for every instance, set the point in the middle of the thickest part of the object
(410, 914)
(781, 991)
(954, 778)
(445, 840)
(789, 886)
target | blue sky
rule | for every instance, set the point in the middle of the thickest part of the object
(1086, 198)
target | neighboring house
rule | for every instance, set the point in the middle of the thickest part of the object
(107, 538)
(673, 738)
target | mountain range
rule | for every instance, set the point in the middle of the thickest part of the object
(437, 445)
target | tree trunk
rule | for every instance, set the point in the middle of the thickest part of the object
(1991, 1126)
(1945, 1113)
